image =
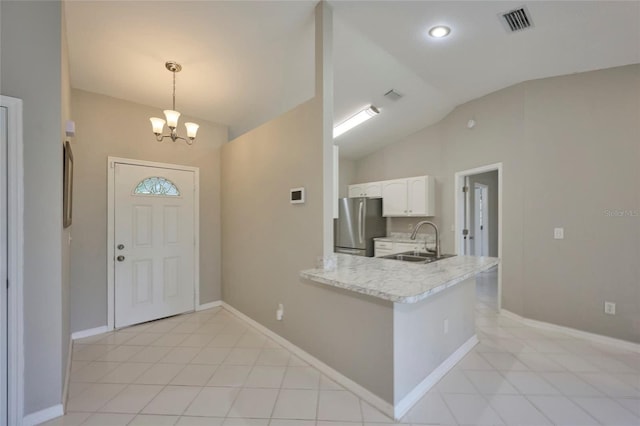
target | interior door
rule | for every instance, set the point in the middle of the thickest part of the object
(154, 243)
(480, 222)
(4, 320)
(465, 231)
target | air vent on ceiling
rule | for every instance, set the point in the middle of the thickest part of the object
(392, 95)
(517, 20)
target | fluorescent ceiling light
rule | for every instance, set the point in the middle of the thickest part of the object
(355, 120)
(439, 31)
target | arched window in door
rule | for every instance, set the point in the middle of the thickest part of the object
(157, 186)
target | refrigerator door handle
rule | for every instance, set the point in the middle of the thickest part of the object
(361, 227)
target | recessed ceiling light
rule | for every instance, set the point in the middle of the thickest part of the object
(439, 31)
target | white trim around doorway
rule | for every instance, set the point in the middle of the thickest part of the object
(15, 245)
(111, 161)
(459, 219)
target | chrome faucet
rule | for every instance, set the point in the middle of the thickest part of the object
(426, 222)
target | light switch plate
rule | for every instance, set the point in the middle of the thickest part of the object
(609, 308)
(558, 233)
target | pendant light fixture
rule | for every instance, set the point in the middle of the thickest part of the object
(172, 115)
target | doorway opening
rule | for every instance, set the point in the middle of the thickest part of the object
(478, 226)
(11, 262)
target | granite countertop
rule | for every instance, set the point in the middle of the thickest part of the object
(398, 281)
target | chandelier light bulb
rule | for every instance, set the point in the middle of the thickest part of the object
(172, 118)
(157, 124)
(192, 129)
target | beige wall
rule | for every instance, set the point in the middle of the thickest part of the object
(346, 176)
(31, 70)
(267, 241)
(106, 127)
(569, 148)
(66, 233)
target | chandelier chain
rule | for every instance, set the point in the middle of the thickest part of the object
(174, 90)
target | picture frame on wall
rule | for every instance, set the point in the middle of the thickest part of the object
(67, 191)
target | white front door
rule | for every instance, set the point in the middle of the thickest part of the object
(3, 270)
(154, 243)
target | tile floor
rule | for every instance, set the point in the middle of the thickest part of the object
(210, 368)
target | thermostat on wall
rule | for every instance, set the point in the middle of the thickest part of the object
(297, 196)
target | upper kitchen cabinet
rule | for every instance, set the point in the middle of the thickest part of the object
(370, 189)
(413, 196)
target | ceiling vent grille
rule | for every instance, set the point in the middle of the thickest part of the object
(517, 20)
(392, 95)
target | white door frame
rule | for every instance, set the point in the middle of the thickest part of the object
(484, 233)
(15, 235)
(111, 161)
(459, 214)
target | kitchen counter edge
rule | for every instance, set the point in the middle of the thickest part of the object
(398, 281)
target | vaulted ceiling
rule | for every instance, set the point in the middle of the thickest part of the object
(246, 62)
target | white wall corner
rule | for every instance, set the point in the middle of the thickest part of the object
(67, 376)
(209, 305)
(406, 403)
(43, 415)
(90, 332)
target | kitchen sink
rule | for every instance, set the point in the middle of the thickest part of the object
(416, 257)
(406, 257)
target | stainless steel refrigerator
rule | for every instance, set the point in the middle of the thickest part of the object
(359, 222)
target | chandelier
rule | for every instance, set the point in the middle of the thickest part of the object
(172, 115)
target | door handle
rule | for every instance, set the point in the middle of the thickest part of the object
(120, 246)
(361, 230)
(120, 258)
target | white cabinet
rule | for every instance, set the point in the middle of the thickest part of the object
(409, 197)
(356, 190)
(413, 196)
(384, 248)
(394, 198)
(370, 189)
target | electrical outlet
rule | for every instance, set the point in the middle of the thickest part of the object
(280, 312)
(445, 326)
(609, 308)
(558, 233)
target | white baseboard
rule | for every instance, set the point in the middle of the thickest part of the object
(402, 407)
(334, 375)
(88, 333)
(43, 415)
(596, 338)
(209, 305)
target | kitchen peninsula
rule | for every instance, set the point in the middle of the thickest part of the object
(433, 314)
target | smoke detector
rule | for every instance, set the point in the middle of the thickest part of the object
(516, 20)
